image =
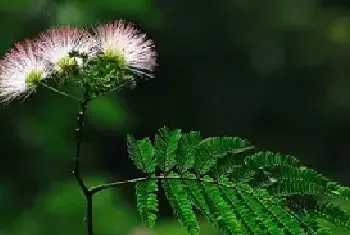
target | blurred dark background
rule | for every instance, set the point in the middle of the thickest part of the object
(275, 72)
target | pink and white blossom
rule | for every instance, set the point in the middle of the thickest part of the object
(57, 43)
(20, 71)
(127, 41)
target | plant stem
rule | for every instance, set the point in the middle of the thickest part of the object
(60, 92)
(77, 160)
(101, 187)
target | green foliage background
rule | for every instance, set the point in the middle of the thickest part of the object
(274, 72)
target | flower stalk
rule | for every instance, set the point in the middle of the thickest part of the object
(77, 162)
(100, 62)
(60, 92)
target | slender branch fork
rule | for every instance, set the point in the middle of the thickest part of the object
(88, 193)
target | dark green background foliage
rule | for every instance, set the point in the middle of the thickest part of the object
(274, 72)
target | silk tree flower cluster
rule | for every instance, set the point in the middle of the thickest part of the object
(110, 53)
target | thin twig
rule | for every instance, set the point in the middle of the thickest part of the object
(60, 92)
(101, 187)
(77, 161)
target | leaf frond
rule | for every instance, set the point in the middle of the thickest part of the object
(142, 153)
(147, 201)
(237, 190)
(182, 207)
(166, 142)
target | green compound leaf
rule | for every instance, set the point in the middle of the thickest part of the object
(239, 192)
(227, 221)
(142, 153)
(177, 196)
(186, 150)
(262, 159)
(166, 143)
(210, 150)
(147, 201)
(333, 214)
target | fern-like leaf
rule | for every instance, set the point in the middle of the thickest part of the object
(263, 159)
(297, 174)
(147, 201)
(338, 191)
(178, 199)
(304, 179)
(209, 150)
(250, 218)
(142, 153)
(333, 214)
(227, 221)
(230, 162)
(291, 187)
(198, 200)
(314, 224)
(283, 217)
(186, 150)
(238, 191)
(238, 173)
(166, 143)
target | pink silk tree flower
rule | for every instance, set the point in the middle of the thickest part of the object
(56, 44)
(20, 71)
(123, 42)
